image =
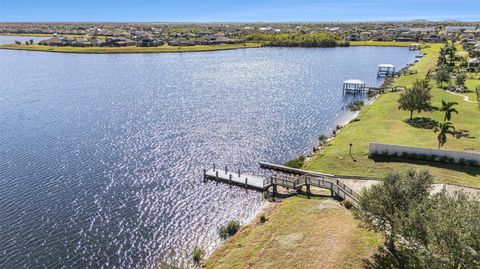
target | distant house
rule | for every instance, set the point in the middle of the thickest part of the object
(381, 37)
(81, 42)
(118, 42)
(54, 41)
(407, 37)
(181, 42)
(355, 37)
(458, 29)
(149, 42)
(433, 38)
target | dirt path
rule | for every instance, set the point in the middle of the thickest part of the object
(465, 98)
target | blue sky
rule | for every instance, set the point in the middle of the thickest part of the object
(237, 11)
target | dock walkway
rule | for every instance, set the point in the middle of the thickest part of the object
(283, 176)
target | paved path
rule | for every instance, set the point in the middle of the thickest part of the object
(358, 184)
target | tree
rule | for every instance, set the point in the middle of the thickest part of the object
(460, 80)
(478, 97)
(451, 231)
(421, 230)
(416, 99)
(448, 108)
(443, 129)
(384, 207)
(442, 76)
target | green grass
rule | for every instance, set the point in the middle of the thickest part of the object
(131, 49)
(299, 233)
(383, 122)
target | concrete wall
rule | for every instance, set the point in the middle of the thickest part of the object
(381, 149)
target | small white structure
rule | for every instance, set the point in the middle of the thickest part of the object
(414, 46)
(353, 85)
(386, 70)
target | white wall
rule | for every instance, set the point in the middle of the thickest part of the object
(457, 155)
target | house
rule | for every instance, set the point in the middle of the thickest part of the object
(81, 42)
(54, 41)
(149, 42)
(407, 37)
(433, 38)
(354, 37)
(458, 29)
(181, 42)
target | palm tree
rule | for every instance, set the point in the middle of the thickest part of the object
(448, 108)
(443, 129)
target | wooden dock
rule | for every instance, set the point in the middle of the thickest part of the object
(283, 176)
(237, 178)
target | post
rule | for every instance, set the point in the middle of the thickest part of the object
(308, 191)
(216, 175)
(331, 189)
(246, 183)
(204, 175)
(230, 179)
(225, 169)
(213, 166)
(274, 191)
(238, 172)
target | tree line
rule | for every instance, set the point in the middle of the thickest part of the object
(298, 40)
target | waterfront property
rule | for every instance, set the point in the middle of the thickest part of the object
(122, 152)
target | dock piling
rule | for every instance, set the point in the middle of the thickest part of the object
(213, 166)
(225, 169)
(230, 180)
(246, 182)
(204, 175)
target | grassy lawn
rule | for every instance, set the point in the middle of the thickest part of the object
(300, 233)
(383, 122)
(131, 49)
(380, 43)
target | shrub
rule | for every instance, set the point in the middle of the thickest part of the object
(296, 163)
(451, 160)
(339, 127)
(347, 204)
(462, 161)
(432, 157)
(356, 105)
(263, 218)
(472, 163)
(322, 138)
(423, 157)
(198, 255)
(443, 159)
(404, 154)
(230, 229)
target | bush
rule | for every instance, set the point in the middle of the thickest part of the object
(472, 163)
(263, 218)
(230, 229)
(347, 204)
(356, 105)
(322, 138)
(296, 163)
(198, 255)
(462, 161)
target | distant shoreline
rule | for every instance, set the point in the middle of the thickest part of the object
(131, 49)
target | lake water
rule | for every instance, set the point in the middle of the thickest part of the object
(101, 156)
(11, 39)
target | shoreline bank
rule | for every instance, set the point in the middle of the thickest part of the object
(128, 50)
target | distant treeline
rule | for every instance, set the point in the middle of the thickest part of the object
(324, 40)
